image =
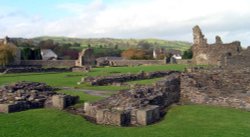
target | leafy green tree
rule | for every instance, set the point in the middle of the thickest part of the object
(36, 54)
(7, 54)
(26, 53)
(31, 54)
(188, 54)
(144, 45)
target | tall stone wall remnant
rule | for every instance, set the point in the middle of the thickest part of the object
(86, 58)
(211, 54)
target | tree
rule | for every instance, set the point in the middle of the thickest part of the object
(36, 54)
(26, 53)
(188, 54)
(47, 44)
(31, 54)
(144, 45)
(134, 54)
(7, 54)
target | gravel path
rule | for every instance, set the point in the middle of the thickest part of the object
(100, 93)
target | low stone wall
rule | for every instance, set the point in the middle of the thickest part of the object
(138, 106)
(217, 87)
(49, 63)
(33, 70)
(106, 80)
(30, 95)
(184, 61)
(136, 62)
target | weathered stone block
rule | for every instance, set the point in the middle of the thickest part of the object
(63, 101)
(90, 110)
(4, 108)
(117, 118)
(10, 108)
(148, 115)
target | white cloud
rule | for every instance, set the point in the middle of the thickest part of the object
(166, 19)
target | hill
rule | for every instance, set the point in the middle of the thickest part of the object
(122, 43)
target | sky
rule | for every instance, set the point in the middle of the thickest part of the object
(162, 19)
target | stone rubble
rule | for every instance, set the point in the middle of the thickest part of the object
(29, 95)
(139, 106)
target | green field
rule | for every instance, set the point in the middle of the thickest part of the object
(70, 79)
(122, 43)
(180, 121)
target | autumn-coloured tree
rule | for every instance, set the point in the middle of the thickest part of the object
(7, 54)
(134, 54)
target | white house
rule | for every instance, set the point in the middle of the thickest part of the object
(177, 56)
(48, 54)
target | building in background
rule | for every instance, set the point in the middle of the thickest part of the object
(48, 54)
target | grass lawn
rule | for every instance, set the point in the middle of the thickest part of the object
(181, 121)
(70, 79)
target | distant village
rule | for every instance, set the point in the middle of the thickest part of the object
(42, 54)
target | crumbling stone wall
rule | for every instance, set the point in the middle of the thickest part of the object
(106, 80)
(10, 70)
(48, 63)
(211, 54)
(138, 106)
(136, 62)
(237, 61)
(30, 95)
(86, 57)
(218, 87)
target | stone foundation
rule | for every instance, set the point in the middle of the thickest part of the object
(148, 115)
(138, 106)
(31, 95)
(64, 101)
(218, 87)
(120, 78)
(116, 118)
(32, 70)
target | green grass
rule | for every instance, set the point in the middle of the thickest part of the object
(70, 79)
(83, 96)
(180, 121)
(122, 43)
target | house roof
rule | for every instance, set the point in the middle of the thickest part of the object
(48, 53)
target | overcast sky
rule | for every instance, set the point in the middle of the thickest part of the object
(163, 19)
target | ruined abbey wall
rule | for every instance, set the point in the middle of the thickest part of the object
(138, 106)
(238, 61)
(212, 54)
(219, 87)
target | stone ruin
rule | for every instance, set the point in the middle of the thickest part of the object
(31, 95)
(147, 104)
(211, 54)
(138, 106)
(86, 58)
(241, 60)
(81, 69)
(217, 86)
(120, 78)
